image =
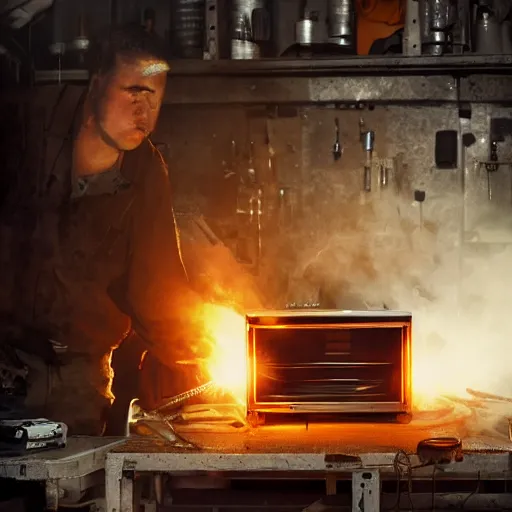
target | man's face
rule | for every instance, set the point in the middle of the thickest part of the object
(128, 101)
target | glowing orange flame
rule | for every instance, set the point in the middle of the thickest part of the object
(227, 362)
(108, 372)
(441, 373)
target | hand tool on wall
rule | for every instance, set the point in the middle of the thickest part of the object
(419, 197)
(491, 167)
(337, 150)
(368, 143)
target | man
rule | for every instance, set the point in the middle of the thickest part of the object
(105, 258)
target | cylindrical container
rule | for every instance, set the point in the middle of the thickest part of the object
(488, 33)
(244, 50)
(463, 37)
(506, 37)
(58, 37)
(304, 32)
(435, 16)
(440, 11)
(341, 20)
(188, 27)
(241, 17)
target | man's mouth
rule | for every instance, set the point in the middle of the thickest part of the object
(142, 127)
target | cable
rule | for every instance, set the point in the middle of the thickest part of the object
(469, 496)
(401, 461)
(434, 487)
(402, 464)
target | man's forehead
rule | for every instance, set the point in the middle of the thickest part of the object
(142, 66)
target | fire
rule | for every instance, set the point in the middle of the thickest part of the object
(108, 372)
(448, 369)
(227, 362)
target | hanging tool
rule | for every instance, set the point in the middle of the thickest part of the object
(368, 143)
(385, 171)
(367, 138)
(490, 167)
(419, 197)
(251, 171)
(337, 149)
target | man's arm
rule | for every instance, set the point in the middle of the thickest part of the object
(165, 312)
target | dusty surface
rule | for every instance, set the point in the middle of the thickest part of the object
(350, 438)
(76, 446)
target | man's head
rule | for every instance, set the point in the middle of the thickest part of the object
(128, 76)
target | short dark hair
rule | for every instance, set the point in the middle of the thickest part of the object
(129, 41)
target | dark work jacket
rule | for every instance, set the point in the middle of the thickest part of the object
(104, 259)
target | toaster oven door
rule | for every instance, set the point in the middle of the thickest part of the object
(349, 368)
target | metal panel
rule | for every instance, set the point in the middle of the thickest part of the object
(221, 90)
(175, 461)
(212, 88)
(486, 88)
(366, 491)
(377, 65)
(382, 89)
(212, 29)
(263, 90)
(412, 32)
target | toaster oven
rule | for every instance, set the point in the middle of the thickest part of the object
(328, 362)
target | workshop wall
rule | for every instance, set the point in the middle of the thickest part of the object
(447, 258)
(333, 237)
(326, 196)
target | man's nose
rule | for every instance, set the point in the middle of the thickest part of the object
(142, 110)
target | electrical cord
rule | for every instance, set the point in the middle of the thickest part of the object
(434, 487)
(401, 463)
(470, 495)
(403, 466)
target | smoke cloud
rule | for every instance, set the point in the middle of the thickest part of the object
(389, 253)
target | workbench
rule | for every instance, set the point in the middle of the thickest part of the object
(364, 452)
(82, 460)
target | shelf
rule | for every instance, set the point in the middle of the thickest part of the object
(379, 65)
(354, 65)
(452, 79)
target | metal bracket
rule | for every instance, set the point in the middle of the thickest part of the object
(412, 31)
(212, 30)
(366, 491)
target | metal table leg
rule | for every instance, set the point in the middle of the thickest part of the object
(113, 477)
(366, 491)
(127, 492)
(52, 495)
